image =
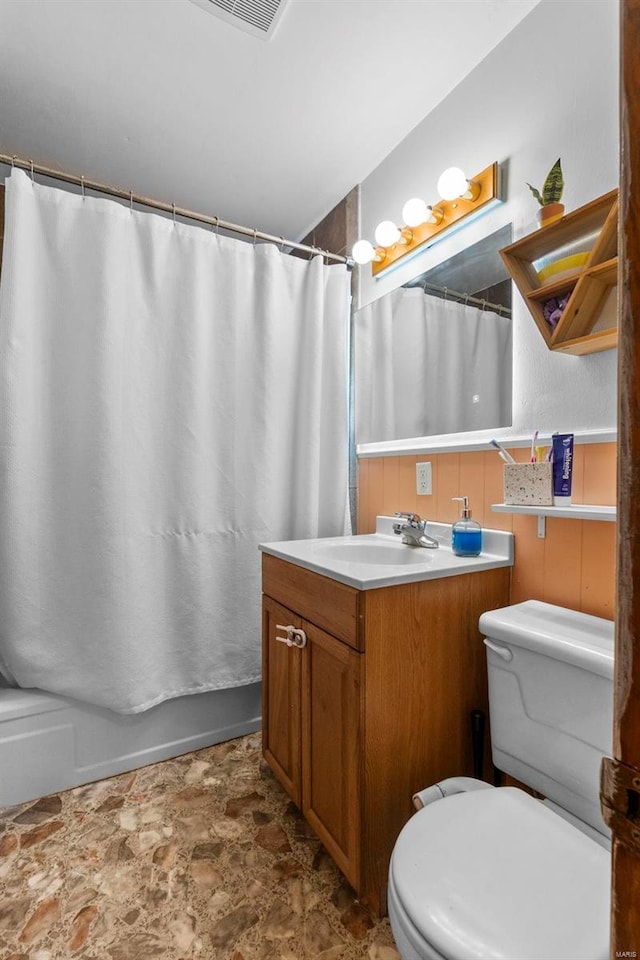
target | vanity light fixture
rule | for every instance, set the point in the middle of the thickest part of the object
(424, 224)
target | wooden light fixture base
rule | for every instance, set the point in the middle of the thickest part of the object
(453, 212)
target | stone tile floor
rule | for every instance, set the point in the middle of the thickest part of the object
(200, 857)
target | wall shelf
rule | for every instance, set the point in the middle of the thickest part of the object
(577, 511)
(577, 331)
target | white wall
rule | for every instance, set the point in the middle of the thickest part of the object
(549, 89)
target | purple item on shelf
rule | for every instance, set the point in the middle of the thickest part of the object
(552, 310)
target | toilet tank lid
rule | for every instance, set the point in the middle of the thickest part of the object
(568, 635)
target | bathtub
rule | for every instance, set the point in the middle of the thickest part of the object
(50, 743)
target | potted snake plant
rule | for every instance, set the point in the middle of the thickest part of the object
(550, 207)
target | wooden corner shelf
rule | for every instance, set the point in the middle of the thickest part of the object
(577, 331)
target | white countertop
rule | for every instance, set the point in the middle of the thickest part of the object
(391, 562)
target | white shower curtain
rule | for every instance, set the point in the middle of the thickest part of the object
(170, 398)
(426, 366)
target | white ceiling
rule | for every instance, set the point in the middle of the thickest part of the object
(160, 97)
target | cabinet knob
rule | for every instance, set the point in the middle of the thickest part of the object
(294, 637)
(299, 638)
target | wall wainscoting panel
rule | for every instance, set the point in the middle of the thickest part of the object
(574, 566)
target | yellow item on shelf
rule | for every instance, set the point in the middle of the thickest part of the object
(565, 267)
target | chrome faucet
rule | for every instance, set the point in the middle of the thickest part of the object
(413, 531)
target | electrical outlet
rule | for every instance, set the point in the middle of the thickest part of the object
(423, 479)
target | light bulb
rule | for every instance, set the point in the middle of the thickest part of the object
(452, 184)
(415, 212)
(387, 233)
(363, 252)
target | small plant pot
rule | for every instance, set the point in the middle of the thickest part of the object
(549, 213)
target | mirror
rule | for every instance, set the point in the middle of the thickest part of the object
(435, 356)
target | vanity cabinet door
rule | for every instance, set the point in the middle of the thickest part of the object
(331, 677)
(281, 697)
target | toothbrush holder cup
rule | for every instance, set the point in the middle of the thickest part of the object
(528, 484)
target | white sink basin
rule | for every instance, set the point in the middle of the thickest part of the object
(380, 559)
(375, 553)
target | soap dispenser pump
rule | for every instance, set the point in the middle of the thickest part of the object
(466, 534)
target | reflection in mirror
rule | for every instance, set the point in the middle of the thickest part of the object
(435, 356)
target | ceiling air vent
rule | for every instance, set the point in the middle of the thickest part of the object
(257, 17)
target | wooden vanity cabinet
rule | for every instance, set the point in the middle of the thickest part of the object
(311, 730)
(282, 700)
(374, 706)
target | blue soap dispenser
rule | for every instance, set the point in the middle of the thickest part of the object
(466, 534)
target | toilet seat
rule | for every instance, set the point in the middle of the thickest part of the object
(407, 938)
(495, 875)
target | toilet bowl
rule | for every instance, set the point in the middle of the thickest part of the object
(492, 873)
(506, 878)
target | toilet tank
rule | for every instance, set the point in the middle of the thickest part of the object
(551, 701)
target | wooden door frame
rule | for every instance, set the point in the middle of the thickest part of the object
(621, 776)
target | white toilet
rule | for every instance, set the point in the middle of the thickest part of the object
(492, 873)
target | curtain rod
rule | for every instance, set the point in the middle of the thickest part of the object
(171, 208)
(465, 296)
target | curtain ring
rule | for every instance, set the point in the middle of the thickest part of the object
(131, 200)
(82, 187)
(484, 304)
(281, 244)
(217, 226)
(32, 177)
(466, 299)
(255, 232)
(13, 161)
(446, 292)
(173, 208)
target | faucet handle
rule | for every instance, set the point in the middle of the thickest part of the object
(410, 517)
